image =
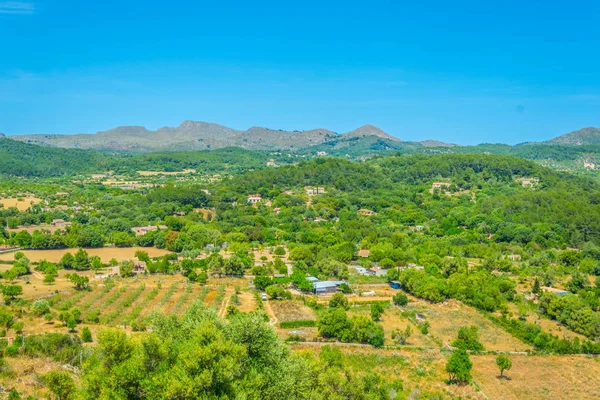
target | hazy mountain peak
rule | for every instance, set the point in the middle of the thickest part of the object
(370, 130)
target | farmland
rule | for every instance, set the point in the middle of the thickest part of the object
(105, 254)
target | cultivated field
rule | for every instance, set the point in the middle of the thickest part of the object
(105, 253)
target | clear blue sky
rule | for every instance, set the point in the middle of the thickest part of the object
(463, 71)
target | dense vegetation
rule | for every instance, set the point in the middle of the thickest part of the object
(445, 226)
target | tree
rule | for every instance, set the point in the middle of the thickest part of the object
(126, 268)
(503, 363)
(376, 311)
(468, 339)
(67, 261)
(80, 282)
(61, 384)
(10, 292)
(278, 292)
(400, 299)
(81, 260)
(536, 286)
(234, 266)
(123, 239)
(279, 251)
(459, 367)
(49, 278)
(338, 300)
(86, 334)
(71, 324)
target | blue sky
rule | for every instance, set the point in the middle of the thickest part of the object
(463, 72)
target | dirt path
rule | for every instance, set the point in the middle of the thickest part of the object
(272, 317)
(223, 309)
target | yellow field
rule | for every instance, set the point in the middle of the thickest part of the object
(105, 254)
(539, 377)
(23, 204)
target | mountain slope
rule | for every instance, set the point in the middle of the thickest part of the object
(585, 136)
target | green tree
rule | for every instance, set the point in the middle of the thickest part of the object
(81, 260)
(468, 339)
(10, 292)
(126, 268)
(67, 261)
(86, 334)
(338, 300)
(71, 324)
(400, 299)
(503, 363)
(80, 282)
(459, 367)
(376, 311)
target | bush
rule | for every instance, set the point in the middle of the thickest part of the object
(86, 335)
(40, 307)
(338, 300)
(468, 339)
(400, 299)
(376, 311)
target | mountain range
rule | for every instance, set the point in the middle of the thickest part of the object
(196, 135)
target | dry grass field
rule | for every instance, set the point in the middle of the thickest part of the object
(292, 310)
(540, 377)
(447, 318)
(22, 203)
(105, 253)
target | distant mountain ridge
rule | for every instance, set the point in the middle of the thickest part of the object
(197, 135)
(585, 136)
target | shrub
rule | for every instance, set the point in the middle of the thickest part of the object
(86, 334)
(400, 299)
(303, 323)
(468, 339)
(338, 300)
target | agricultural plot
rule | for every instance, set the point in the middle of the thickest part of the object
(446, 319)
(539, 377)
(105, 253)
(21, 203)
